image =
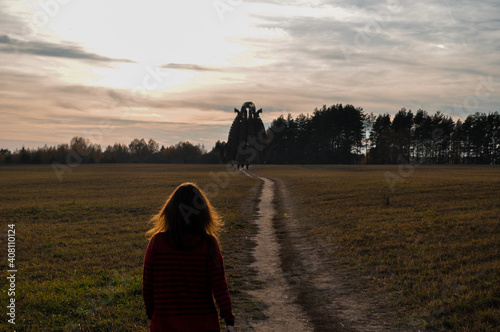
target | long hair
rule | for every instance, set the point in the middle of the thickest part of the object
(187, 211)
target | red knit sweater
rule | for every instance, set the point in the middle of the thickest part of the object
(179, 287)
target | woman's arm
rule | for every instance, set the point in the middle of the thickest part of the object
(147, 281)
(220, 288)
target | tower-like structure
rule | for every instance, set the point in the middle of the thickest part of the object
(247, 135)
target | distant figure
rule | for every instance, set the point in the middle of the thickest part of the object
(183, 266)
(246, 132)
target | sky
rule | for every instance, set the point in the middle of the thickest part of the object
(115, 70)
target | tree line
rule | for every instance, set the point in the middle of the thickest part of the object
(346, 135)
(81, 151)
(339, 134)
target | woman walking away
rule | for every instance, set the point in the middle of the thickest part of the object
(183, 267)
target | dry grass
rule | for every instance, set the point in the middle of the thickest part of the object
(430, 247)
(81, 242)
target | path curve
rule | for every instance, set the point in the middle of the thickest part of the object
(283, 314)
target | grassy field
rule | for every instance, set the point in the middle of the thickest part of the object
(429, 242)
(80, 243)
(426, 238)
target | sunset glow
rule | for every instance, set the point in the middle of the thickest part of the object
(156, 68)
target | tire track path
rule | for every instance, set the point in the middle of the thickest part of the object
(283, 314)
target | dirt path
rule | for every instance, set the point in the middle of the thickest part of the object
(283, 314)
(333, 297)
(329, 301)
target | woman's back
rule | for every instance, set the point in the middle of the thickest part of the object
(178, 285)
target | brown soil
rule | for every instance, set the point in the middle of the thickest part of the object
(283, 314)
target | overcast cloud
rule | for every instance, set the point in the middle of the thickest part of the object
(137, 71)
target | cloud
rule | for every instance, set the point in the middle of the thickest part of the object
(104, 129)
(68, 51)
(188, 67)
(412, 50)
(293, 58)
